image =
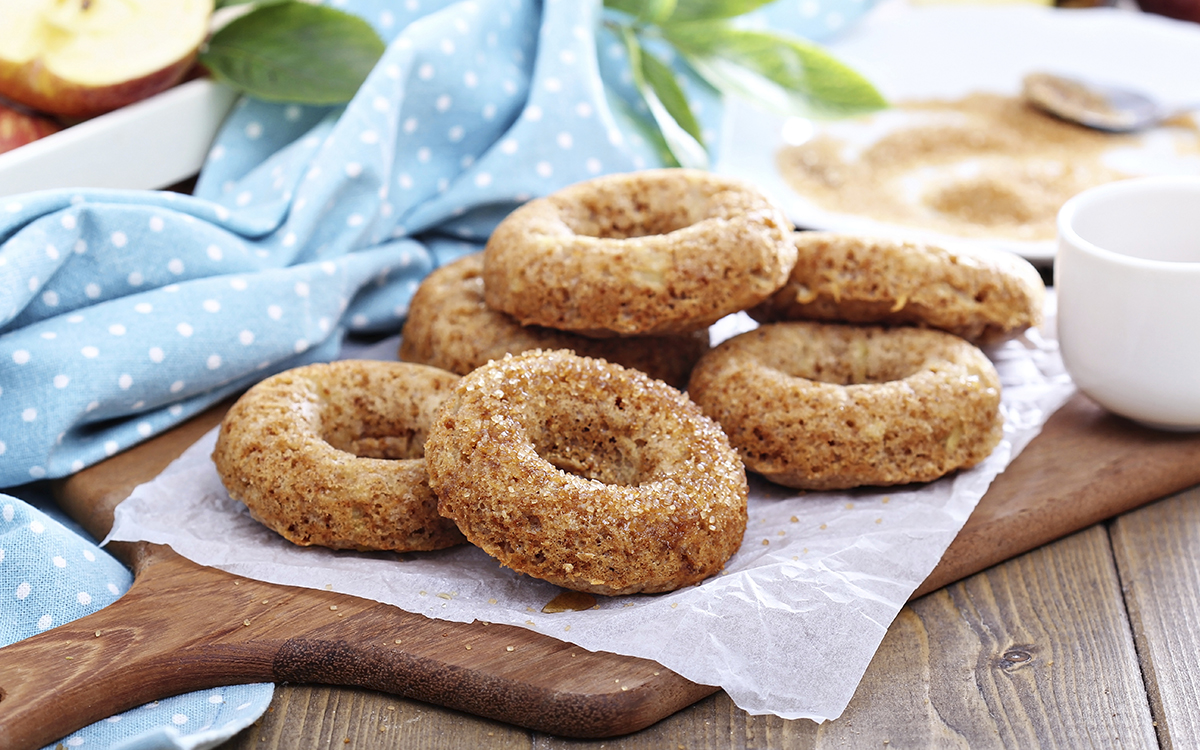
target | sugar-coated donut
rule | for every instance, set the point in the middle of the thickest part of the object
(332, 455)
(450, 326)
(655, 252)
(586, 474)
(826, 406)
(982, 296)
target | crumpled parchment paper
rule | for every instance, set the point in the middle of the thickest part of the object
(788, 628)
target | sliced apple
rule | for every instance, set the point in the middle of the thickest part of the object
(18, 128)
(79, 58)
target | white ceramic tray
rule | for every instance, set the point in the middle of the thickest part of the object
(151, 144)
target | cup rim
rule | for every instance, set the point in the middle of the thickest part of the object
(1066, 216)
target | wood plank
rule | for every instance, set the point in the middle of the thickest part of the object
(1055, 663)
(320, 716)
(1157, 550)
(1035, 652)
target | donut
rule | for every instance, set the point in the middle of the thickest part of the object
(450, 326)
(586, 474)
(982, 296)
(825, 406)
(656, 252)
(332, 455)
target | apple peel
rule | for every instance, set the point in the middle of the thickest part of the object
(81, 58)
(18, 128)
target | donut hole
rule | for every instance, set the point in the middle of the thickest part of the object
(594, 440)
(623, 217)
(868, 370)
(867, 360)
(369, 425)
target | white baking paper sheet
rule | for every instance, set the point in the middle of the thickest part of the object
(788, 628)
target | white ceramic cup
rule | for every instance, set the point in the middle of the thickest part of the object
(1127, 277)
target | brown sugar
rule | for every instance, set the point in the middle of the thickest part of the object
(985, 165)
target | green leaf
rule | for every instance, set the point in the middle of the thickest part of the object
(662, 81)
(230, 3)
(632, 7)
(645, 126)
(294, 52)
(686, 149)
(708, 10)
(785, 73)
(645, 11)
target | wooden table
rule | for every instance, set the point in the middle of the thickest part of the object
(1093, 640)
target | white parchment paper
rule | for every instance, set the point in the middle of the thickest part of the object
(788, 628)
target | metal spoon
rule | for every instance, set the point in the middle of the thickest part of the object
(1097, 106)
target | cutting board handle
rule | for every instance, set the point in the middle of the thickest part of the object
(147, 645)
(185, 627)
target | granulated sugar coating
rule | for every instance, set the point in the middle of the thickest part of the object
(586, 474)
(662, 251)
(450, 326)
(331, 455)
(823, 406)
(981, 296)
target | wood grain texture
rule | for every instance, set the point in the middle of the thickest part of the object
(321, 716)
(1055, 665)
(1158, 551)
(183, 627)
(1035, 652)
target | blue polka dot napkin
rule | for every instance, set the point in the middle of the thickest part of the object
(123, 313)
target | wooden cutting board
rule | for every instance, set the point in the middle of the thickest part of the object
(184, 627)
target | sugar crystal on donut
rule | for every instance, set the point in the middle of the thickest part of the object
(595, 477)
